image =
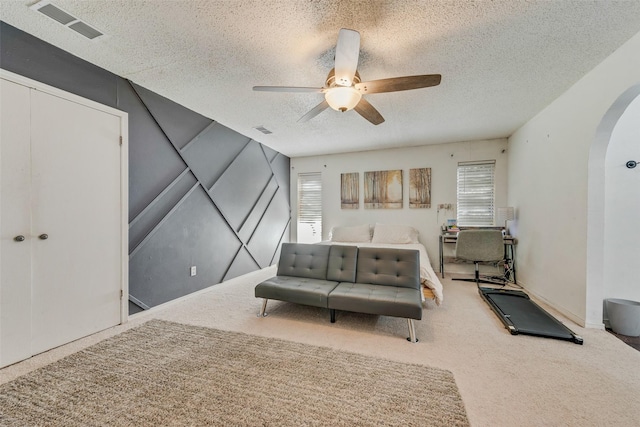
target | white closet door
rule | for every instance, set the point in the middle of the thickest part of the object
(15, 220)
(76, 203)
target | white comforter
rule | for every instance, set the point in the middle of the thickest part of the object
(428, 277)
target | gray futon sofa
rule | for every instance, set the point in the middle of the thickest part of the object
(379, 281)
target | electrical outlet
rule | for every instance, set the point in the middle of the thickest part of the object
(193, 270)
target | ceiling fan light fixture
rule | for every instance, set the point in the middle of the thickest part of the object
(342, 98)
(343, 88)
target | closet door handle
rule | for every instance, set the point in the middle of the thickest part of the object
(19, 238)
(43, 236)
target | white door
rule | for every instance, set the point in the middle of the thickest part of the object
(15, 223)
(63, 217)
(76, 221)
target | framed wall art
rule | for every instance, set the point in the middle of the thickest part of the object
(383, 189)
(349, 190)
(420, 188)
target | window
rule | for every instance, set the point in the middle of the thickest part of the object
(476, 187)
(309, 207)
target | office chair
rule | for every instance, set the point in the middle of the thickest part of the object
(480, 246)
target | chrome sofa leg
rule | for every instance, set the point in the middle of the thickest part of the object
(264, 308)
(412, 331)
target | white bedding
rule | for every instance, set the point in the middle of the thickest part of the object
(428, 277)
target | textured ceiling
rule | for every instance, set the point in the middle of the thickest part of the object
(501, 61)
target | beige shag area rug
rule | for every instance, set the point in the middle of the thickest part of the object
(170, 374)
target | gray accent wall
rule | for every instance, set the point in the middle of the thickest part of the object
(200, 194)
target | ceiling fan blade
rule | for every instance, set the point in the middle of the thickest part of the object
(314, 111)
(395, 84)
(289, 89)
(347, 52)
(366, 110)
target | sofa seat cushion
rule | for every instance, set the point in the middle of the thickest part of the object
(375, 299)
(298, 290)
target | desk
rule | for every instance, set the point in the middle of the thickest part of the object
(509, 252)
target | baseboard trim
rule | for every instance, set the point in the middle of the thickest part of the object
(600, 326)
(578, 320)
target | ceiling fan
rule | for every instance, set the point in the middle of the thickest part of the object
(343, 88)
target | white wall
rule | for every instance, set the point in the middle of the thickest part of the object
(622, 208)
(442, 159)
(549, 160)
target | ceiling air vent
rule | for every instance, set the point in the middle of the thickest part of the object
(85, 30)
(263, 130)
(54, 12)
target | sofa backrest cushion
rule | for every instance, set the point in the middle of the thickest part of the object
(342, 263)
(304, 260)
(386, 266)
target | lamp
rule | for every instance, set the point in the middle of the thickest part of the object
(506, 214)
(342, 98)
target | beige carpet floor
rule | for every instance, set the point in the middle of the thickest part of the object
(171, 374)
(504, 380)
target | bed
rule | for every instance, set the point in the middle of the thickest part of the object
(391, 236)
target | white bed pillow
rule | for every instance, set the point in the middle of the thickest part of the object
(387, 233)
(358, 233)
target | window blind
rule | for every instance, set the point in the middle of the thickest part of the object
(476, 188)
(309, 207)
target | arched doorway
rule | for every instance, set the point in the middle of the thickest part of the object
(613, 232)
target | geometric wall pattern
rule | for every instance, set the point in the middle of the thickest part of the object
(219, 201)
(199, 193)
